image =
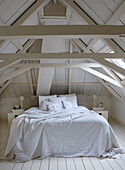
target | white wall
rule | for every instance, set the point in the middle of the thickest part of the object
(88, 102)
(6, 104)
(118, 110)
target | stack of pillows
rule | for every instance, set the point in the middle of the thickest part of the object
(54, 103)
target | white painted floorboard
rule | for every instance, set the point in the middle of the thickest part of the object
(60, 163)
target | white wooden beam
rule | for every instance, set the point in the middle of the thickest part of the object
(35, 7)
(76, 46)
(82, 45)
(113, 75)
(49, 65)
(73, 56)
(78, 12)
(8, 63)
(70, 31)
(4, 86)
(114, 47)
(117, 15)
(26, 46)
(68, 15)
(100, 75)
(70, 70)
(29, 50)
(38, 56)
(104, 87)
(84, 17)
(107, 87)
(13, 74)
(113, 19)
(29, 77)
(111, 90)
(17, 43)
(57, 84)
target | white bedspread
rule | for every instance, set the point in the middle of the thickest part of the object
(76, 132)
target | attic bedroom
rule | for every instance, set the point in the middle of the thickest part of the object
(62, 84)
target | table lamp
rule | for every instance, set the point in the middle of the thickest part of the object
(21, 99)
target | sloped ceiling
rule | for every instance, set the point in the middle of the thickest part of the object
(82, 82)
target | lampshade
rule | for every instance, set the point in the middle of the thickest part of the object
(21, 97)
(94, 96)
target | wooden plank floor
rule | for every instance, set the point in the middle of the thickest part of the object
(79, 163)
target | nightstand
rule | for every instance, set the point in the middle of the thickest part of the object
(12, 116)
(104, 113)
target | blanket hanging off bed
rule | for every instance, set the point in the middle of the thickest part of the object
(68, 133)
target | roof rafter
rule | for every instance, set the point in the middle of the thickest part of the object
(84, 17)
(37, 56)
(80, 43)
(100, 75)
(111, 90)
(17, 43)
(13, 74)
(28, 14)
(117, 15)
(4, 86)
(104, 87)
(113, 76)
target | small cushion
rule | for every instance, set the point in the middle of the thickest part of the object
(67, 105)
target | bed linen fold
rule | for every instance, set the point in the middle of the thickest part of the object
(68, 133)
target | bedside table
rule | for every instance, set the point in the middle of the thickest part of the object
(12, 116)
(104, 113)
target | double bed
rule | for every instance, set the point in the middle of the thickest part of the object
(59, 127)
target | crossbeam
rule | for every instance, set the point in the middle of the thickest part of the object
(68, 31)
(38, 56)
(64, 65)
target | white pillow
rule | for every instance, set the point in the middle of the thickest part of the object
(55, 106)
(57, 99)
(42, 98)
(71, 98)
(67, 105)
(44, 105)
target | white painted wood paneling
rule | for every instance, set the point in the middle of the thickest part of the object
(10, 48)
(118, 109)
(11, 9)
(88, 9)
(99, 9)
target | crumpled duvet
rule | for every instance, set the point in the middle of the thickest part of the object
(68, 133)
